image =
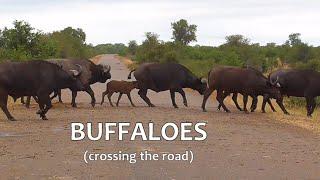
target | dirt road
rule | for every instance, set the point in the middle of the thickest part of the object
(239, 146)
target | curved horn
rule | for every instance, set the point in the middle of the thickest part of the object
(80, 68)
(275, 82)
(74, 72)
(106, 68)
(204, 80)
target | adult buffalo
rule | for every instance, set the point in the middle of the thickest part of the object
(298, 83)
(34, 78)
(91, 74)
(169, 76)
(246, 81)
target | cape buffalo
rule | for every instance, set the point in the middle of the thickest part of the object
(246, 81)
(34, 78)
(91, 74)
(299, 83)
(169, 76)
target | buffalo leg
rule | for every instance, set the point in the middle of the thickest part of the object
(44, 104)
(109, 97)
(59, 95)
(183, 94)
(55, 94)
(206, 95)
(3, 105)
(263, 107)
(119, 97)
(73, 101)
(28, 101)
(271, 106)
(220, 98)
(103, 95)
(280, 103)
(47, 107)
(225, 94)
(310, 106)
(143, 95)
(245, 101)
(22, 100)
(234, 98)
(173, 99)
(129, 97)
(313, 105)
(91, 93)
(254, 103)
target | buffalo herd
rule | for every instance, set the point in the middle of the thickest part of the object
(40, 78)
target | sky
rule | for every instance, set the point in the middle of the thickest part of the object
(119, 21)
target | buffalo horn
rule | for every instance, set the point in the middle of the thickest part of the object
(80, 68)
(106, 68)
(203, 80)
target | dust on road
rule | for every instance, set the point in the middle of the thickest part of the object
(239, 146)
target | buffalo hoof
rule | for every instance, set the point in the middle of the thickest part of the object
(246, 111)
(93, 104)
(133, 105)
(12, 119)
(228, 111)
(286, 113)
(74, 105)
(204, 110)
(185, 104)
(152, 105)
(263, 111)
(309, 116)
(44, 118)
(175, 106)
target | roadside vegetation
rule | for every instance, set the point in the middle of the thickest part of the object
(22, 42)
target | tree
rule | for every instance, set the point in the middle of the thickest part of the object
(22, 42)
(132, 47)
(151, 49)
(183, 32)
(237, 40)
(294, 39)
(71, 43)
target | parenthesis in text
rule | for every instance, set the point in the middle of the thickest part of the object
(85, 156)
(191, 159)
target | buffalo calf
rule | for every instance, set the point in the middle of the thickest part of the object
(123, 87)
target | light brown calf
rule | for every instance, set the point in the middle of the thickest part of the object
(123, 87)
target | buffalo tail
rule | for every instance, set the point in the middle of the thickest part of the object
(129, 76)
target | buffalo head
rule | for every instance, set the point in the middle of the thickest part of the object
(104, 73)
(200, 85)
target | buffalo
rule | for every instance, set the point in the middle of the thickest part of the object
(298, 83)
(91, 74)
(246, 81)
(34, 78)
(168, 76)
